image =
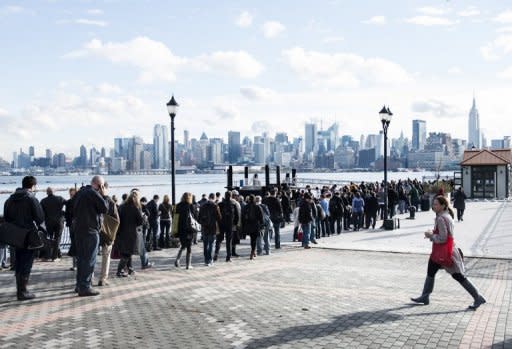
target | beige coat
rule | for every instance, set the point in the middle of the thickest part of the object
(444, 224)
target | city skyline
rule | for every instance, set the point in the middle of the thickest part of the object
(105, 71)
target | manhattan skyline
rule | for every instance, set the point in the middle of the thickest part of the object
(84, 73)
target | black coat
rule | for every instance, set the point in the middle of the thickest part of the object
(152, 208)
(251, 223)
(128, 240)
(184, 210)
(275, 208)
(23, 209)
(52, 206)
(89, 206)
(459, 200)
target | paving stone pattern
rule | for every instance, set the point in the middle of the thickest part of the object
(293, 298)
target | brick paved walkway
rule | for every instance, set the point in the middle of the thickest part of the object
(292, 299)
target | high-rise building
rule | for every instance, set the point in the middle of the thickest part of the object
(49, 154)
(474, 135)
(259, 153)
(234, 146)
(31, 151)
(160, 147)
(83, 156)
(310, 137)
(419, 134)
(281, 137)
(216, 155)
(186, 141)
(135, 158)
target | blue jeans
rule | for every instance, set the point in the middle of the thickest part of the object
(307, 234)
(3, 255)
(86, 251)
(144, 260)
(263, 242)
(208, 240)
(153, 232)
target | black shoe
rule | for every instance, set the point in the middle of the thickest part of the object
(215, 257)
(88, 293)
(131, 272)
(234, 254)
(122, 274)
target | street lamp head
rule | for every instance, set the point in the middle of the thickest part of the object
(172, 107)
(383, 114)
(390, 115)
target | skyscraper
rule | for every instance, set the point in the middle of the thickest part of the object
(234, 146)
(160, 147)
(474, 135)
(419, 134)
(83, 156)
(310, 136)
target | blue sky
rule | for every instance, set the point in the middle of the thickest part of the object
(84, 72)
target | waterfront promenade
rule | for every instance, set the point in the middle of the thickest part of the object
(340, 294)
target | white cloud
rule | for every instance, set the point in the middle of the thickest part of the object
(83, 21)
(244, 20)
(506, 74)
(237, 63)
(436, 108)
(3, 113)
(343, 69)
(95, 12)
(108, 89)
(333, 39)
(261, 126)
(431, 21)
(378, 20)
(227, 111)
(91, 22)
(157, 62)
(504, 30)
(504, 17)
(454, 71)
(433, 11)
(256, 93)
(11, 9)
(471, 11)
(272, 29)
(496, 49)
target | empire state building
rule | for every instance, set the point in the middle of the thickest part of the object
(474, 135)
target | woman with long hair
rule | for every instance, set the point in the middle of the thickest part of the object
(164, 210)
(186, 213)
(442, 237)
(128, 239)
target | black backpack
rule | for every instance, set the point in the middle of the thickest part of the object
(207, 215)
(227, 212)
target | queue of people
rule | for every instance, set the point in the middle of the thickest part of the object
(135, 226)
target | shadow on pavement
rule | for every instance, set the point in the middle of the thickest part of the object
(339, 324)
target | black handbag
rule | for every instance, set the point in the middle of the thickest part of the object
(15, 236)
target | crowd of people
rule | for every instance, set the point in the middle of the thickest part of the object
(135, 226)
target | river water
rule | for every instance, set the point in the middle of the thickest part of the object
(195, 183)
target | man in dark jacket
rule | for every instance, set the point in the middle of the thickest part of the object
(459, 202)
(54, 221)
(23, 210)
(276, 215)
(229, 219)
(69, 223)
(305, 218)
(209, 217)
(371, 206)
(336, 212)
(152, 209)
(89, 207)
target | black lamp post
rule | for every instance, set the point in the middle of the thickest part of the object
(172, 107)
(385, 117)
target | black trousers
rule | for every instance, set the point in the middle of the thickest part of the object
(335, 224)
(434, 267)
(460, 213)
(54, 230)
(165, 238)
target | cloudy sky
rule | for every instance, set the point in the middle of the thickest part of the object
(84, 72)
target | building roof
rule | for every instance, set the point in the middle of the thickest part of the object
(487, 157)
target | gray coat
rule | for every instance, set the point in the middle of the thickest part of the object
(444, 224)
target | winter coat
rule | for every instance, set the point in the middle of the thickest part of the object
(209, 228)
(228, 221)
(52, 206)
(444, 225)
(165, 211)
(275, 208)
(185, 210)
(152, 208)
(23, 210)
(252, 219)
(459, 200)
(128, 239)
(89, 206)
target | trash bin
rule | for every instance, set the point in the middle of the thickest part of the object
(425, 204)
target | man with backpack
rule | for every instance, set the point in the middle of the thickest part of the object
(276, 215)
(229, 219)
(209, 217)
